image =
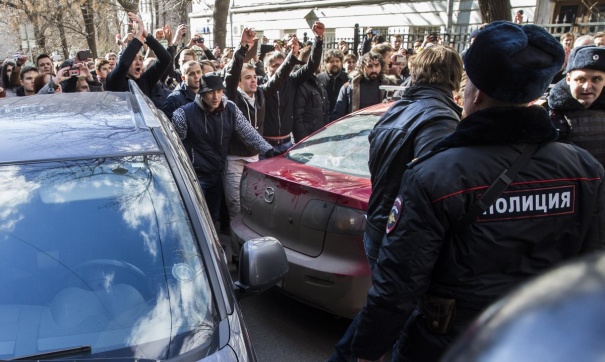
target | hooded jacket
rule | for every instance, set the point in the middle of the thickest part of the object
(253, 108)
(583, 126)
(554, 210)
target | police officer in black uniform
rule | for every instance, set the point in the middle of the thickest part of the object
(497, 202)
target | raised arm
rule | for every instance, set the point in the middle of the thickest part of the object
(307, 70)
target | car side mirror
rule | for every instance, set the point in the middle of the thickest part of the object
(262, 264)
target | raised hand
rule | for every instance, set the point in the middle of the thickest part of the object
(248, 36)
(319, 28)
(139, 28)
(181, 30)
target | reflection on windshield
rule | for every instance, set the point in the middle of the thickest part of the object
(342, 147)
(99, 252)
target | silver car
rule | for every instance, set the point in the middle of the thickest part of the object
(107, 250)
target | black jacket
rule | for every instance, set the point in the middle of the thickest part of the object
(180, 96)
(311, 109)
(332, 85)
(584, 127)
(117, 79)
(255, 114)
(409, 129)
(553, 211)
(279, 117)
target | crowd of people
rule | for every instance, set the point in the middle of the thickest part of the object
(524, 166)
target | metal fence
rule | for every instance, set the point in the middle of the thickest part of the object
(459, 40)
(460, 36)
(576, 28)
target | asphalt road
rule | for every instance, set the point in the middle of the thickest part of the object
(283, 329)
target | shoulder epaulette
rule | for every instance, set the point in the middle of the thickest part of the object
(426, 156)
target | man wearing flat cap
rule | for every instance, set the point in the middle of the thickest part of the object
(495, 203)
(577, 103)
(206, 126)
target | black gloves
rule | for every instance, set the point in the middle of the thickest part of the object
(272, 152)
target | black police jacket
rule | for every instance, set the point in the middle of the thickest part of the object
(554, 210)
(584, 127)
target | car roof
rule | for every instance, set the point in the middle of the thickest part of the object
(76, 125)
(379, 108)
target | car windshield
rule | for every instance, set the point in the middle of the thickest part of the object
(343, 146)
(101, 253)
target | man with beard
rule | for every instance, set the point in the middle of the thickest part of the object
(334, 77)
(577, 103)
(364, 88)
(130, 65)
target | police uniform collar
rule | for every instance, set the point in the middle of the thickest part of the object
(511, 125)
(560, 98)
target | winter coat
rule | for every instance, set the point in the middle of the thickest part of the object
(552, 211)
(350, 95)
(180, 96)
(311, 109)
(332, 84)
(409, 129)
(584, 127)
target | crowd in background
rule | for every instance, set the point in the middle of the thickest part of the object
(235, 106)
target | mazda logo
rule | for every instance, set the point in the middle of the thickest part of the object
(269, 195)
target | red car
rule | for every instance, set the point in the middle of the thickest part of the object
(314, 199)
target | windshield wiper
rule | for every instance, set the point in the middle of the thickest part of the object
(58, 353)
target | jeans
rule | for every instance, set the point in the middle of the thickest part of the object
(231, 182)
(212, 186)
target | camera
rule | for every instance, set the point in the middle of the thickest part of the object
(74, 71)
(433, 37)
(84, 55)
(199, 40)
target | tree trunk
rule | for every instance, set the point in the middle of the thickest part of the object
(156, 9)
(183, 11)
(221, 11)
(62, 37)
(88, 15)
(492, 10)
(39, 33)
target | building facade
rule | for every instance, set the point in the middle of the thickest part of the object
(576, 16)
(413, 19)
